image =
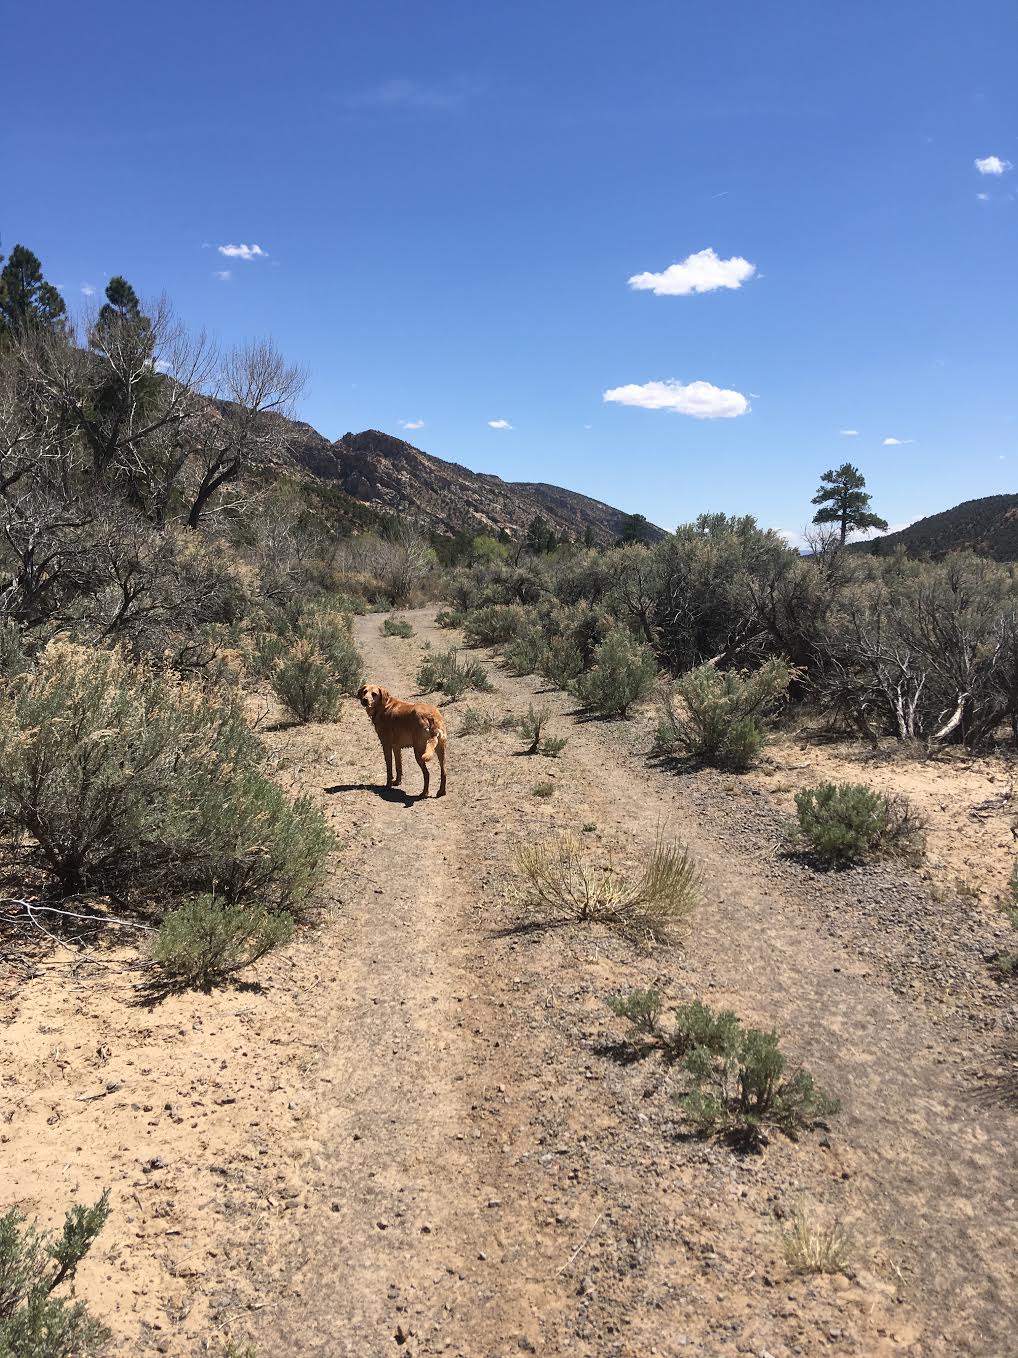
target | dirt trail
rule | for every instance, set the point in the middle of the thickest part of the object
(498, 1185)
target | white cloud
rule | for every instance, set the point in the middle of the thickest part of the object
(243, 251)
(412, 424)
(702, 400)
(702, 272)
(896, 443)
(992, 165)
(499, 424)
(224, 275)
(983, 197)
(161, 365)
(88, 289)
(849, 433)
(413, 94)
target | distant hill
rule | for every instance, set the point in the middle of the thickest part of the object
(988, 526)
(387, 474)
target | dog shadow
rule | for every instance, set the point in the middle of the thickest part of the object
(387, 794)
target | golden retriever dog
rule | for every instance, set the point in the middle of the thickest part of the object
(405, 726)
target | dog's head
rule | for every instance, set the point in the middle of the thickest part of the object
(372, 697)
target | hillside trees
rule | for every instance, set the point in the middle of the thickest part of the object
(113, 445)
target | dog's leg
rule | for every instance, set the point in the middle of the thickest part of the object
(399, 765)
(440, 749)
(423, 766)
(388, 765)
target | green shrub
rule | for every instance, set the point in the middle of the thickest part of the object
(641, 1009)
(450, 617)
(720, 720)
(842, 823)
(125, 777)
(268, 648)
(12, 655)
(739, 1081)
(543, 790)
(558, 880)
(623, 672)
(561, 662)
(477, 723)
(741, 1087)
(524, 654)
(552, 746)
(304, 683)
(443, 670)
(330, 634)
(397, 627)
(34, 1323)
(531, 727)
(494, 624)
(206, 940)
(258, 845)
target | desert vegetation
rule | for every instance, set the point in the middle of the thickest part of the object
(737, 1080)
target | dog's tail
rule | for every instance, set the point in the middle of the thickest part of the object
(437, 735)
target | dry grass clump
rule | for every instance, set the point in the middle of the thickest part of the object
(815, 1246)
(561, 881)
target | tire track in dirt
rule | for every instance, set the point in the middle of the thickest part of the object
(933, 1162)
(415, 1186)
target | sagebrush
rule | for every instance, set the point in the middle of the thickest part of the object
(206, 940)
(844, 823)
(33, 1322)
(126, 778)
(717, 716)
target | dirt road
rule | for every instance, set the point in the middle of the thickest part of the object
(492, 1182)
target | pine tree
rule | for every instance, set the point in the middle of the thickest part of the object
(845, 502)
(26, 299)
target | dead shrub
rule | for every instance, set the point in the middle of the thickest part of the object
(560, 881)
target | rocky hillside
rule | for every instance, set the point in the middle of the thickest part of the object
(988, 526)
(388, 474)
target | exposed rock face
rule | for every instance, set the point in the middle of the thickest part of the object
(388, 473)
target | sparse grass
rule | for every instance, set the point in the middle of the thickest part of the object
(397, 627)
(843, 823)
(815, 1246)
(205, 941)
(478, 723)
(559, 881)
(543, 789)
(588, 827)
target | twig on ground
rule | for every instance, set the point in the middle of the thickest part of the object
(580, 1246)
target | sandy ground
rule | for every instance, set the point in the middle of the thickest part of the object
(968, 803)
(412, 1133)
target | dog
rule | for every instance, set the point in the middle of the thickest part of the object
(405, 726)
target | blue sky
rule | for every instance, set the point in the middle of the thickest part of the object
(451, 199)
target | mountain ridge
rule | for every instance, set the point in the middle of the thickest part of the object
(987, 526)
(389, 474)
